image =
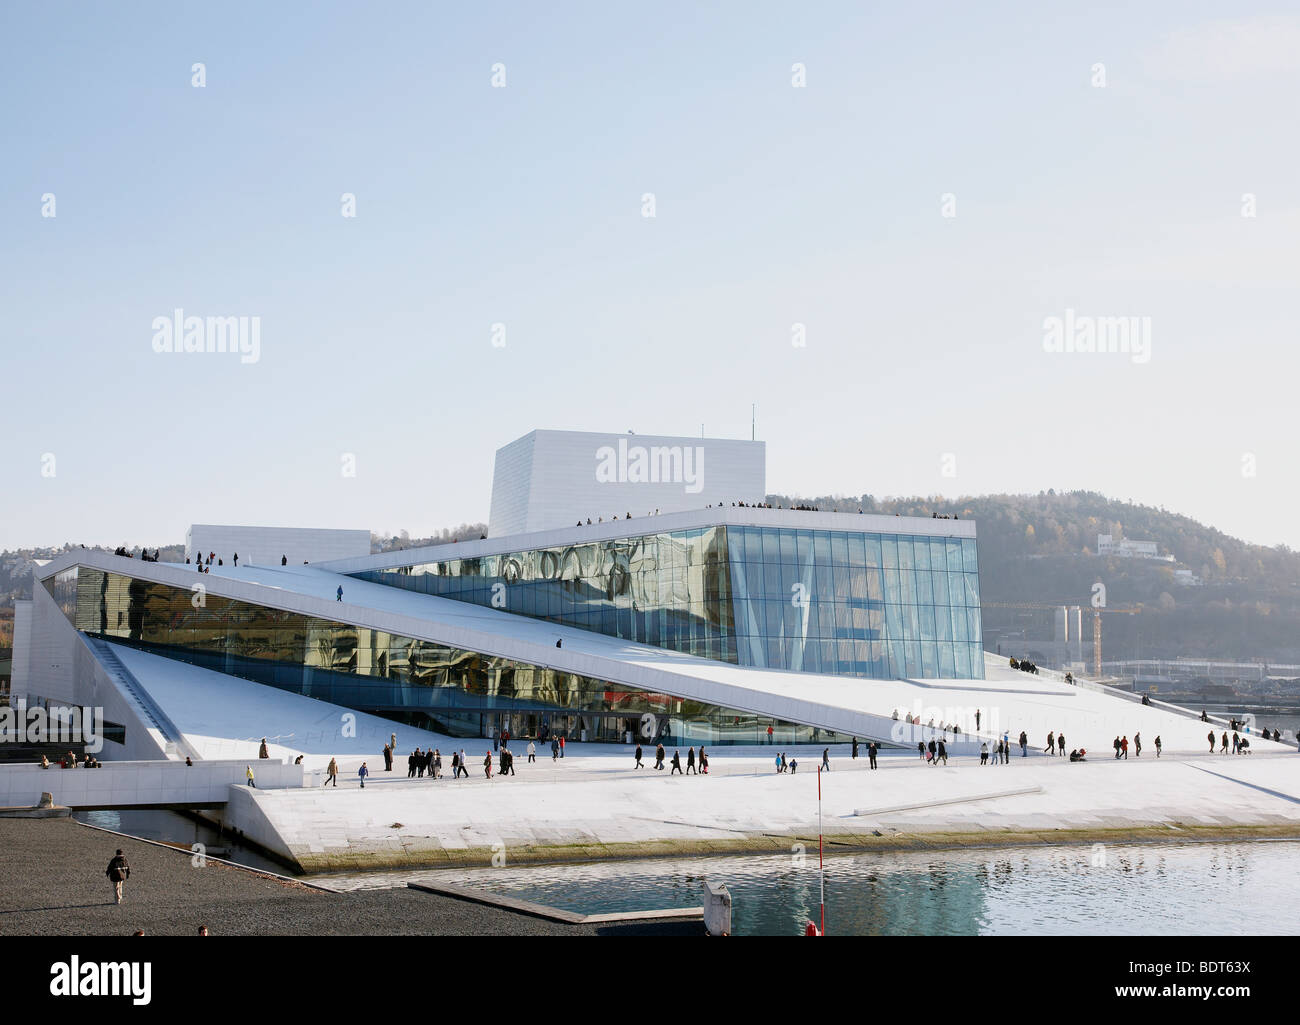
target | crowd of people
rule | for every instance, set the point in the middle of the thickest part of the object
(144, 553)
(943, 727)
(1240, 744)
(69, 761)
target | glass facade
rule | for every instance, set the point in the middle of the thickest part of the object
(851, 603)
(855, 603)
(452, 690)
(670, 590)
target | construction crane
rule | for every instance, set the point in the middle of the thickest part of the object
(1130, 610)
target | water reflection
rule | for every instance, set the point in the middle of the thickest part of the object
(1113, 889)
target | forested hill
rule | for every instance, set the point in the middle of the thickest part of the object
(1042, 548)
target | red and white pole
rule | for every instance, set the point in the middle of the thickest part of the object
(821, 865)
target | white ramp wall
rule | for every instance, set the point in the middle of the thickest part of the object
(127, 784)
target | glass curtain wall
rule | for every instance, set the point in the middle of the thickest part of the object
(452, 690)
(886, 606)
(669, 590)
(848, 603)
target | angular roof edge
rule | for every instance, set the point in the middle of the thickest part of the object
(640, 526)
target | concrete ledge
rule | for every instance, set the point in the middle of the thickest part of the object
(35, 813)
(528, 907)
(838, 843)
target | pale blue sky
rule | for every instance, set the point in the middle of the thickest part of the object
(522, 205)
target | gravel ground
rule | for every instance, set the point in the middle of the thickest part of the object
(52, 883)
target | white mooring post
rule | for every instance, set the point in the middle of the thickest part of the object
(717, 909)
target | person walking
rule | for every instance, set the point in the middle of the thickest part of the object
(118, 873)
(1060, 743)
(1006, 748)
(1116, 747)
(932, 749)
(690, 760)
(1123, 746)
(977, 720)
(984, 752)
(1210, 736)
(487, 764)
(437, 763)
(769, 733)
(1051, 743)
(638, 758)
(332, 774)
(1024, 744)
(1158, 745)
(339, 596)
(777, 760)
(785, 767)
(920, 749)
(1224, 749)
(854, 755)
(410, 765)
(388, 758)
(555, 748)
(455, 764)
(677, 764)
(871, 753)
(532, 751)
(561, 745)
(943, 752)
(464, 763)
(1137, 745)
(248, 775)
(659, 757)
(363, 772)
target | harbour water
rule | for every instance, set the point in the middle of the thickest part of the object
(1139, 889)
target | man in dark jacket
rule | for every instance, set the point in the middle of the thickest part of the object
(118, 873)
